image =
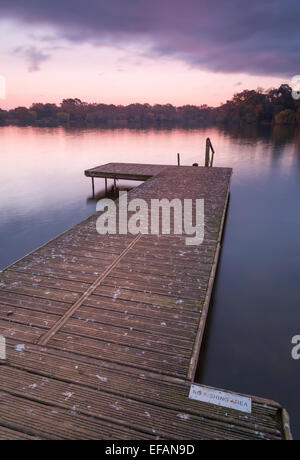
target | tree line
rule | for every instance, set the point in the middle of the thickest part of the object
(275, 106)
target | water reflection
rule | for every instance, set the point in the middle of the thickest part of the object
(255, 311)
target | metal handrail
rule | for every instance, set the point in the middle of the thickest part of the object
(209, 161)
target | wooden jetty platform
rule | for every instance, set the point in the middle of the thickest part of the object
(104, 332)
(125, 171)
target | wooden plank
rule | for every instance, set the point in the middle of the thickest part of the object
(148, 297)
(138, 321)
(8, 434)
(135, 357)
(16, 315)
(23, 333)
(169, 344)
(161, 287)
(11, 299)
(16, 278)
(53, 423)
(146, 310)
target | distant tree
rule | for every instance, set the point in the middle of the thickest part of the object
(44, 110)
(286, 117)
(25, 116)
(63, 118)
(249, 107)
(71, 102)
(280, 99)
(3, 117)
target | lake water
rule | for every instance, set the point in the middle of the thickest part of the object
(256, 303)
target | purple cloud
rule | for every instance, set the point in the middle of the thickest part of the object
(257, 37)
(34, 57)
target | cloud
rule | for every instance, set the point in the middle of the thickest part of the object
(260, 37)
(34, 57)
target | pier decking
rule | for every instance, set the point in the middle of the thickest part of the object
(127, 171)
(104, 332)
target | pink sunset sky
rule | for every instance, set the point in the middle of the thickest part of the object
(116, 54)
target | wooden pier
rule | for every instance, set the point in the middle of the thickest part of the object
(104, 332)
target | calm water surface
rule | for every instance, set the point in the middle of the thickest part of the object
(256, 305)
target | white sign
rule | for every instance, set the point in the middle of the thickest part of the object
(219, 398)
(2, 348)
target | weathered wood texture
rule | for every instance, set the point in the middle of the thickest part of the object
(104, 332)
(53, 394)
(129, 171)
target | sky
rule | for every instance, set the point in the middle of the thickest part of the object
(158, 51)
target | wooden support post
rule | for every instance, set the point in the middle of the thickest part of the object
(115, 186)
(105, 186)
(178, 159)
(207, 152)
(212, 154)
(93, 187)
(212, 157)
